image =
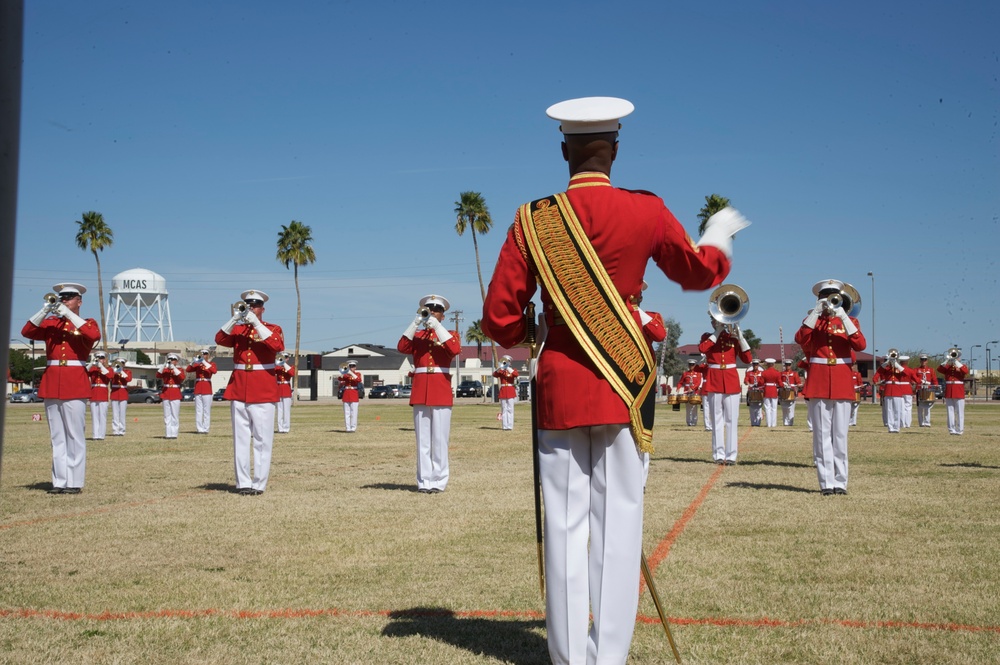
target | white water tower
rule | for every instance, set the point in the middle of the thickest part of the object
(138, 310)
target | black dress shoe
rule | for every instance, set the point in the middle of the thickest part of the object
(839, 490)
(56, 490)
(730, 462)
(826, 492)
(72, 490)
(245, 491)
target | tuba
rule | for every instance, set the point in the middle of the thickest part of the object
(728, 304)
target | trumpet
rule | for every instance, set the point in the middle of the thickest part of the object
(954, 355)
(892, 358)
(241, 308)
(833, 301)
(344, 368)
(424, 312)
(118, 365)
(51, 301)
(728, 304)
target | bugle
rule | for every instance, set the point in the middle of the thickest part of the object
(240, 308)
(728, 304)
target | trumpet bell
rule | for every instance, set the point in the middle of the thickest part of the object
(955, 353)
(852, 300)
(728, 304)
(50, 299)
(893, 354)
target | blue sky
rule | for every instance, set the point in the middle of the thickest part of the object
(856, 136)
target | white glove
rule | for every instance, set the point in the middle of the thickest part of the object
(643, 317)
(75, 319)
(443, 334)
(720, 229)
(814, 315)
(251, 318)
(412, 328)
(40, 316)
(231, 323)
(848, 324)
(744, 344)
(104, 370)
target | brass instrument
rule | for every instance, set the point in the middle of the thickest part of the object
(833, 301)
(892, 358)
(852, 300)
(344, 368)
(424, 312)
(241, 308)
(728, 304)
(954, 356)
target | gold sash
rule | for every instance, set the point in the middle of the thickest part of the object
(586, 298)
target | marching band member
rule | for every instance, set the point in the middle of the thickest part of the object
(926, 378)
(120, 378)
(789, 381)
(654, 330)
(804, 366)
(252, 391)
(722, 388)
(754, 382)
(65, 387)
(283, 373)
(828, 337)
(772, 378)
(906, 415)
(203, 369)
(588, 430)
(702, 368)
(895, 382)
(172, 377)
(100, 379)
(508, 391)
(433, 348)
(690, 384)
(858, 382)
(350, 378)
(954, 372)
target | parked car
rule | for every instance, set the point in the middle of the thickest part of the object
(381, 392)
(26, 396)
(137, 394)
(996, 393)
(405, 391)
(219, 395)
(469, 389)
(187, 395)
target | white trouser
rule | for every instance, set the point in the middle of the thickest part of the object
(433, 426)
(756, 409)
(171, 417)
(692, 414)
(907, 417)
(351, 416)
(99, 418)
(723, 412)
(854, 412)
(253, 430)
(956, 415)
(284, 414)
(831, 420)
(924, 413)
(809, 417)
(893, 412)
(885, 411)
(592, 487)
(202, 413)
(507, 413)
(118, 409)
(788, 413)
(67, 420)
(771, 411)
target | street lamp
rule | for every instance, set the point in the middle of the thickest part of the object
(874, 350)
(972, 359)
(989, 374)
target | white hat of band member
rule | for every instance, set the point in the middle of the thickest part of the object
(755, 361)
(770, 360)
(590, 115)
(507, 358)
(826, 285)
(435, 300)
(287, 354)
(173, 356)
(203, 352)
(904, 357)
(923, 356)
(691, 361)
(100, 354)
(787, 362)
(254, 295)
(69, 288)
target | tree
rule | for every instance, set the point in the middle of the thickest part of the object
(94, 235)
(751, 339)
(20, 366)
(713, 204)
(472, 213)
(142, 359)
(294, 250)
(673, 364)
(475, 334)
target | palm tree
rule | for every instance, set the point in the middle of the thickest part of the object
(294, 250)
(94, 235)
(471, 213)
(713, 204)
(475, 334)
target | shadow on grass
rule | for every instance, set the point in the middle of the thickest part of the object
(972, 465)
(390, 486)
(769, 486)
(689, 460)
(218, 487)
(766, 462)
(507, 641)
(40, 487)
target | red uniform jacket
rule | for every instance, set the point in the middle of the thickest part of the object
(858, 380)
(99, 382)
(203, 372)
(925, 376)
(654, 330)
(954, 384)
(508, 382)
(350, 384)
(172, 380)
(119, 385)
(626, 229)
(67, 349)
(721, 358)
(790, 379)
(431, 362)
(828, 349)
(754, 379)
(690, 382)
(895, 383)
(772, 379)
(283, 373)
(253, 379)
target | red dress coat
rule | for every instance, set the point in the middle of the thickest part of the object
(772, 379)
(790, 379)
(203, 372)
(67, 350)
(252, 381)
(721, 358)
(754, 378)
(508, 382)
(829, 349)
(350, 384)
(895, 383)
(954, 384)
(172, 380)
(626, 229)
(690, 382)
(430, 388)
(283, 375)
(925, 375)
(99, 383)
(119, 385)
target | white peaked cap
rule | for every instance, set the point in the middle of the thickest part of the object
(590, 115)
(825, 284)
(69, 287)
(435, 300)
(254, 295)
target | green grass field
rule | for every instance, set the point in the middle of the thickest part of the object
(342, 561)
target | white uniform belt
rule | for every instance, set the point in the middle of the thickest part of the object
(898, 383)
(721, 366)
(66, 363)
(247, 367)
(770, 384)
(209, 380)
(283, 383)
(98, 385)
(430, 370)
(829, 361)
(956, 383)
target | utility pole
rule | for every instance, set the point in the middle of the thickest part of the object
(456, 317)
